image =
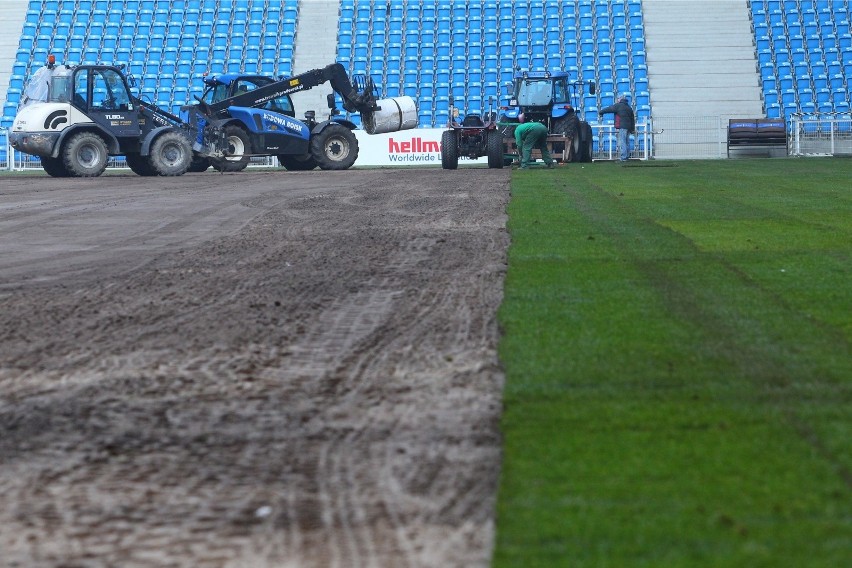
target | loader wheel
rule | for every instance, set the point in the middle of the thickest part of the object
(199, 164)
(139, 165)
(495, 149)
(449, 150)
(238, 150)
(171, 154)
(301, 163)
(85, 155)
(54, 167)
(334, 148)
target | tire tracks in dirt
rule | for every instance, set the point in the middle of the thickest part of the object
(317, 388)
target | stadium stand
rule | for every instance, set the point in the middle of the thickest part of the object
(433, 50)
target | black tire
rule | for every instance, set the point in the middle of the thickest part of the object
(239, 148)
(171, 154)
(574, 154)
(139, 165)
(449, 150)
(335, 147)
(586, 140)
(565, 126)
(85, 155)
(494, 142)
(302, 163)
(198, 164)
(54, 167)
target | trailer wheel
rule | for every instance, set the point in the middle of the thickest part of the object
(302, 163)
(238, 150)
(139, 165)
(85, 155)
(334, 148)
(495, 149)
(170, 154)
(54, 167)
(449, 150)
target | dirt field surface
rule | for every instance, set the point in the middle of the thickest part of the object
(284, 369)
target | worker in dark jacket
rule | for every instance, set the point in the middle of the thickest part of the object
(625, 124)
(529, 135)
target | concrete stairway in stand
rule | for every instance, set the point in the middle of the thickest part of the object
(315, 47)
(701, 64)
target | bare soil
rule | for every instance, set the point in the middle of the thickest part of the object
(249, 370)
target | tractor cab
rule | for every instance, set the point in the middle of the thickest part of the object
(543, 96)
(221, 87)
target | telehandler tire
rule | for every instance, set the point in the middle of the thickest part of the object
(335, 147)
(85, 155)
(238, 150)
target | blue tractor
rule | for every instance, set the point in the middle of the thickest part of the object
(548, 97)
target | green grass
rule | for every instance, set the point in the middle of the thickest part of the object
(678, 366)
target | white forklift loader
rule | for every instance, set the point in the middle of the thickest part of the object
(75, 117)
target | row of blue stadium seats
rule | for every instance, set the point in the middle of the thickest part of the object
(478, 9)
(792, 4)
(224, 27)
(445, 33)
(136, 5)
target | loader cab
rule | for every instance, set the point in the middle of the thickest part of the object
(101, 93)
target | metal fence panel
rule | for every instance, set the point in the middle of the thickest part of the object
(823, 135)
(606, 142)
(689, 137)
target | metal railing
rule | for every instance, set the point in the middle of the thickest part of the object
(606, 142)
(820, 135)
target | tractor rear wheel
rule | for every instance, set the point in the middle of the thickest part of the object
(85, 155)
(581, 150)
(335, 147)
(586, 140)
(494, 142)
(449, 150)
(171, 154)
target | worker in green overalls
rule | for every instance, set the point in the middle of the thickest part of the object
(529, 135)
